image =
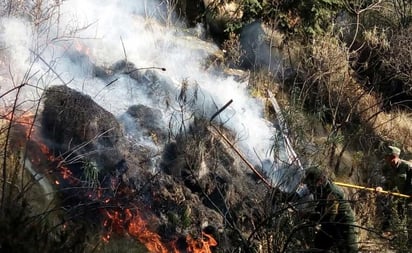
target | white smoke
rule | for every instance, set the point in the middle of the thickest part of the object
(144, 33)
(15, 40)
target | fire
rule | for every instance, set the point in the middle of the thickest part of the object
(202, 245)
(65, 172)
(26, 120)
(106, 238)
(131, 222)
(117, 219)
(138, 228)
(82, 48)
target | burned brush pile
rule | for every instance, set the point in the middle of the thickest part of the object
(194, 186)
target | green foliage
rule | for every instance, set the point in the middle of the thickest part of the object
(252, 9)
(294, 17)
(186, 220)
(309, 17)
(91, 174)
(180, 218)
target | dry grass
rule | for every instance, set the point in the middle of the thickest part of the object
(396, 128)
(233, 50)
(328, 75)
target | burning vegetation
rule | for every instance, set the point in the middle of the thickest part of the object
(77, 177)
(95, 179)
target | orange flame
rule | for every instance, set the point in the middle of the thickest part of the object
(127, 220)
(201, 245)
(26, 120)
(82, 48)
(135, 226)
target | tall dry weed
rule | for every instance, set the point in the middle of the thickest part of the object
(328, 75)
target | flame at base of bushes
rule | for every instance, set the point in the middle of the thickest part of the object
(130, 221)
(117, 218)
(201, 245)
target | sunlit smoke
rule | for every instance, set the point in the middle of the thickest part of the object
(98, 33)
